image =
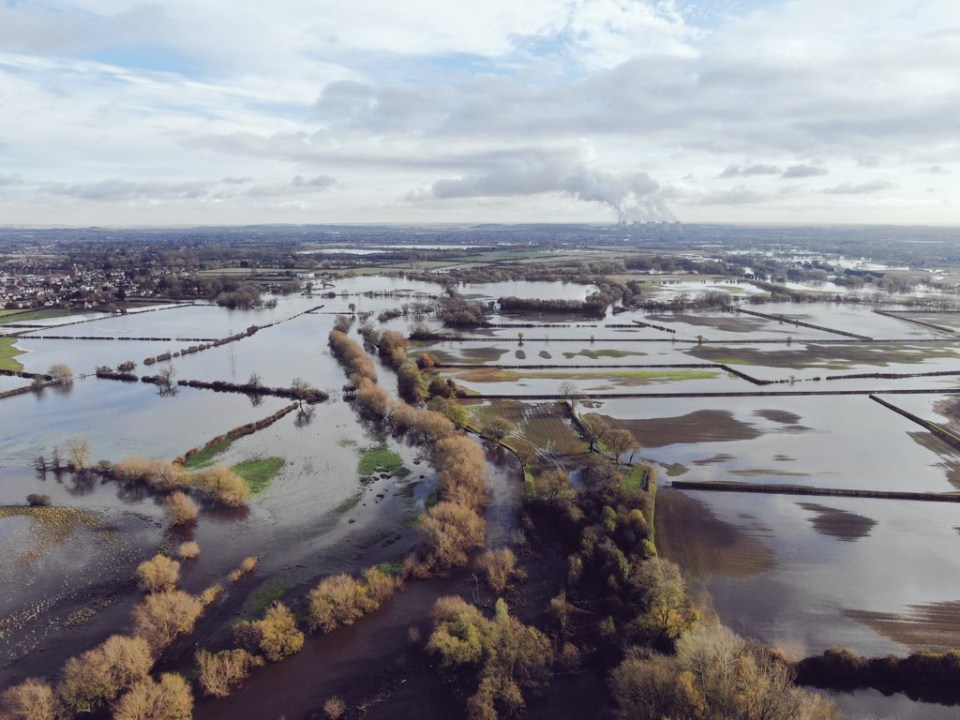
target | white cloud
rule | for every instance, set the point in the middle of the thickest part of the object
(485, 107)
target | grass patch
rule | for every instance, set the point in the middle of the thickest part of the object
(346, 443)
(431, 500)
(391, 568)
(207, 455)
(52, 526)
(7, 354)
(380, 456)
(675, 469)
(605, 353)
(258, 473)
(634, 479)
(30, 315)
(266, 597)
(349, 503)
(622, 377)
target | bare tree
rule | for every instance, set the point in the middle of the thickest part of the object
(619, 441)
(78, 450)
(61, 374)
(165, 378)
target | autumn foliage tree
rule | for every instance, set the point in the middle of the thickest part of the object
(98, 676)
(219, 672)
(32, 699)
(168, 698)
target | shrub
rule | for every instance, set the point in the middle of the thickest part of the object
(158, 573)
(223, 485)
(247, 566)
(338, 600)
(276, 635)
(101, 674)
(210, 594)
(188, 550)
(221, 671)
(334, 708)
(452, 531)
(373, 398)
(38, 500)
(380, 586)
(164, 615)
(32, 699)
(167, 699)
(499, 567)
(181, 509)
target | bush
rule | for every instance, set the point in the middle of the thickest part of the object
(247, 566)
(32, 699)
(210, 594)
(276, 635)
(221, 671)
(334, 708)
(38, 500)
(223, 485)
(188, 550)
(452, 531)
(338, 600)
(498, 568)
(164, 615)
(181, 509)
(167, 699)
(101, 674)
(158, 573)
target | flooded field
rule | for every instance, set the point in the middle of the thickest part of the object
(810, 574)
(802, 573)
(807, 441)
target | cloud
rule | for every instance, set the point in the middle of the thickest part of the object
(6, 180)
(732, 171)
(860, 189)
(635, 197)
(936, 170)
(739, 195)
(298, 186)
(803, 171)
(124, 190)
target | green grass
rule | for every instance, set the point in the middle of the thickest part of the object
(207, 455)
(349, 503)
(25, 316)
(266, 597)
(258, 473)
(7, 354)
(380, 456)
(634, 479)
(391, 568)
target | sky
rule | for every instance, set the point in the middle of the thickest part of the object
(117, 112)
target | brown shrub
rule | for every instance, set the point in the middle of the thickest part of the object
(168, 699)
(32, 699)
(452, 531)
(380, 586)
(338, 600)
(461, 471)
(210, 594)
(373, 398)
(247, 566)
(334, 708)
(276, 635)
(499, 567)
(181, 509)
(223, 485)
(352, 356)
(164, 615)
(158, 573)
(221, 671)
(188, 550)
(101, 674)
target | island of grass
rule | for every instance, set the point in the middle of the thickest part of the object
(380, 456)
(259, 472)
(7, 354)
(206, 455)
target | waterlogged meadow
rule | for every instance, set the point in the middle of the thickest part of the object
(777, 401)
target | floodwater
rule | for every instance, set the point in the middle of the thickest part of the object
(829, 442)
(808, 574)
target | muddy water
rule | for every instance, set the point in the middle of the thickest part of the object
(349, 661)
(801, 575)
(874, 705)
(859, 319)
(832, 442)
